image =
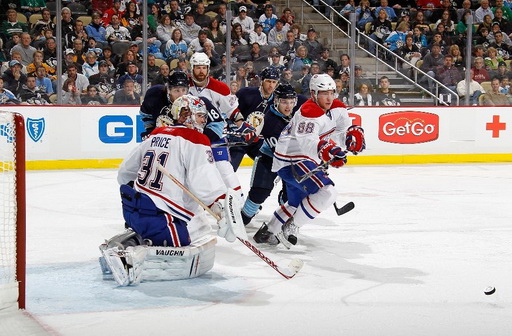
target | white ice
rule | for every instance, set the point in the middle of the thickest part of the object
(412, 258)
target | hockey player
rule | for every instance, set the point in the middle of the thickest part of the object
(305, 146)
(156, 209)
(202, 85)
(253, 103)
(283, 105)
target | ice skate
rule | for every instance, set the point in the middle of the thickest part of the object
(290, 231)
(265, 236)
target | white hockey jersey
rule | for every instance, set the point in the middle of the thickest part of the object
(310, 124)
(219, 94)
(186, 154)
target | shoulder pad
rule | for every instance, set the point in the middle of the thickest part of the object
(218, 86)
(338, 104)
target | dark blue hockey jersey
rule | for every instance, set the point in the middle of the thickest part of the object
(156, 103)
(252, 105)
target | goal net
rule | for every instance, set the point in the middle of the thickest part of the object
(12, 218)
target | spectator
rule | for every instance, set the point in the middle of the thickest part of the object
(268, 19)
(154, 17)
(71, 95)
(41, 25)
(78, 50)
(38, 60)
(492, 60)
(12, 25)
(92, 45)
(480, 73)
(507, 12)
(277, 35)
(344, 65)
(130, 18)
(384, 5)
(503, 49)
(397, 38)
(128, 57)
(300, 60)
(6, 96)
(32, 7)
(289, 47)
(196, 45)
(411, 53)
(15, 40)
(67, 22)
(325, 61)
(189, 28)
(482, 11)
(276, 61)
(386, 97)
(13, 78)
(50, 53)
(153, 69)
(131, 74)
(297, 33)
(78, 31)
(209, 50)
(440, 13)
(69, 58)
(127, 95)
(25, 49)
(447, 23)
(241, 77)
(421, 21)
(458, 60)
(438, 39)
(92, 97)
(246, 22)
(30, 94)
(359, 77)
(330, 71)
(215, 33)
(109, 57)
(363, 97)
(109, 13)
(449, 76)
(201, 18)
(162, 76)
(95, 29)
(176, 15)
(176, 46)
(237, 36)
(495, 97)
(115, 32)
(221, 17)
(364, 14)
(314, 47)
(380, 29)
(466, 7)
(475, 89)
(165, 29)
(350, 7)
(154, 44)
(182, 66)
(79, 81)
(502, 21)
(431, 62)
(287, 17)
(103, 81)
(502, 71)
(258, 36)
(90, 67)
(233, 87)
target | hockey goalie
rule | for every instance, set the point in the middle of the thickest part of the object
(168, 234)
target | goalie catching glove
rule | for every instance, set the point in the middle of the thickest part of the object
(354, 141)
(229, 216)
(328, 151)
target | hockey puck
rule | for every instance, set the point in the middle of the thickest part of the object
(489, 290)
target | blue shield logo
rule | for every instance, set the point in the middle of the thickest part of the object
(35, 128)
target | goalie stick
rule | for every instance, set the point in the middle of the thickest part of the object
(344, 209)
(288, 273)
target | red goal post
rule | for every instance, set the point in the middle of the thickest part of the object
(13, 218)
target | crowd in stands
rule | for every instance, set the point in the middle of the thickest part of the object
(102, 47)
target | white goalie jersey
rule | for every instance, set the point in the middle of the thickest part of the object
(299, 139)
(185, 154)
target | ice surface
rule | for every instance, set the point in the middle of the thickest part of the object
(412, 258)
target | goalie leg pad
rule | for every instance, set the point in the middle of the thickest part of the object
(175, 263)
(125, 265)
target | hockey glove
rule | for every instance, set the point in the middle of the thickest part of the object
(355, 139)
(245, 132)
(327, 151)
(224, 230)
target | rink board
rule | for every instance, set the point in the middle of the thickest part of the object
(64, 137)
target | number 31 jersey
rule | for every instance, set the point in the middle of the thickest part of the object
(186, 155)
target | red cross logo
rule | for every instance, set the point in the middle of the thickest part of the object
(496, 126)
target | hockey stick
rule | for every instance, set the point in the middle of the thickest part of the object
(344, 209)
(302, 178)
(288, 273)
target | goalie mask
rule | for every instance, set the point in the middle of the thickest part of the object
(190, 111)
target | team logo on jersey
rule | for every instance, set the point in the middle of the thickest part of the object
(256, 119)
(35, 128)
(408, 127)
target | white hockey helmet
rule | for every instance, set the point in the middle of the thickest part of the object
(199, 58)
(187, 108)
(322, 82)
